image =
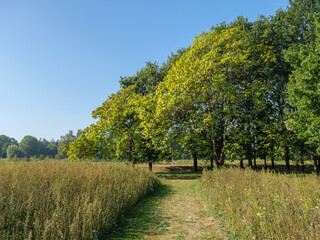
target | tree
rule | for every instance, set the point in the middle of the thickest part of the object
(201, 93)
(30, 146)
(145, 80)
(13, 151)
(116, 133)
(5, 141)
(304, 93)
(64, 142)
(287, 29)
(52, 149)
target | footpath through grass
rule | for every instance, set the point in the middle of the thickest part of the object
(178, 210)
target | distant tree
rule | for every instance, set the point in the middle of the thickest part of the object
(43, 147)
(30, 146)
(13, 151)
(4, 149)
(64, 142)
(5, 141)
(52, 149)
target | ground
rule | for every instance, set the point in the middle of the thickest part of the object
(177, 210)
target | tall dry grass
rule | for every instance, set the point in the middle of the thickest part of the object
(264, 205)
(65, 200)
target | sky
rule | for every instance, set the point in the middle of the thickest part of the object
(60, 60)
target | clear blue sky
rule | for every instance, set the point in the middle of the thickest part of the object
(60, 59)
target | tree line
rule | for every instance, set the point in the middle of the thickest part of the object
(32, 147)
(242, 91)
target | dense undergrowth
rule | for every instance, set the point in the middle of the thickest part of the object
(265, 205)
(65, 200)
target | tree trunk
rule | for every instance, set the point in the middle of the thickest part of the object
(303, 167)
(217, 162)
(250, 161)
(130, 152)
(316, 164)
(254, 155)
(150, 166)
(272, 155)
(265, 163)
(272, 162)
(222, 159)
(195, 162)
(241, 162)
(211, 163)
(302, 163)
(287, 158)
(249, 156)
(298, 166)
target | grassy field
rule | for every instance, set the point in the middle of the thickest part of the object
(65, 200)
(177, 210)
(264, 205)
(78, 200)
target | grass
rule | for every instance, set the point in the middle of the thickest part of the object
(178, 210)
(65, 200)
(265, 205)
(142, 219)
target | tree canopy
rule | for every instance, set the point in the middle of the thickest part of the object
(244, 90)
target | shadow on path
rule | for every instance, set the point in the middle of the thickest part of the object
(143, 218)
(180, 173)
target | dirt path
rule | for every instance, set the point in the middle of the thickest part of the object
(178, 210)
(186, 214)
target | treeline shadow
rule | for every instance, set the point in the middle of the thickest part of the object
(180, 173)
(294, 169)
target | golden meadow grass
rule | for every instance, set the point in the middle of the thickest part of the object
(65, 200)
(265, 205)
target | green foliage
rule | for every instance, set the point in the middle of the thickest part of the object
(117, 133)
(30, 146)
(304, 93)
(13, 151)
(224, 96)
(200, 95)
(145, 80)
(5, 141)
(47, 148)
(64, 142)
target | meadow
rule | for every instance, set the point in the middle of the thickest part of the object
(67, 200)
(265, 205)
(54, 199)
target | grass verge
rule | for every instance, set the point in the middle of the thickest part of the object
(143, 218)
